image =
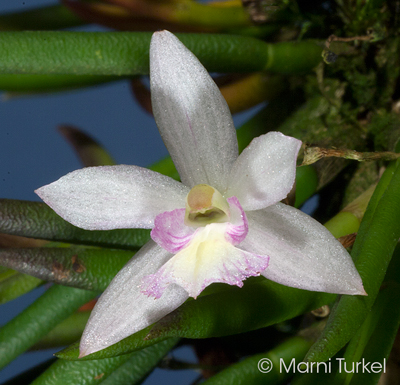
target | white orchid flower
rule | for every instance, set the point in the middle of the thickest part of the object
(223, 223)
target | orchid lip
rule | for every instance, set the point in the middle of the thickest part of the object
(203, 255)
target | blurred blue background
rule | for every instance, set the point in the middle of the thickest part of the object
(33, 154)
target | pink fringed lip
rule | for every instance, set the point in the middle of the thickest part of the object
(204, 255)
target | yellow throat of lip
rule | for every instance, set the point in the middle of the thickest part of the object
(205, 205)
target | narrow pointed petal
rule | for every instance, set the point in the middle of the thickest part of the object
(303, 253)
(113, 197)
(208, 258)
(123, 309)
(192, 116)
(265, 171)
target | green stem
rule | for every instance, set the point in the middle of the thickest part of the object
(306, 184)
(343, 223)
(140, 364)
(348, 220)
(34, 322)
(89, 269)
(65, 333)
(127, 53)
(121, 370)
(14, 284)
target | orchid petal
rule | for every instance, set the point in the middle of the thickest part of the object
(170, 231)
(191, 114)
(265, 171)
(123, 309)
(208, 258)
(113, 197)
(304, 254)
(238, 226)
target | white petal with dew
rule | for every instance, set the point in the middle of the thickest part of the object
(208, 258)
(192, 116)
(265, 171)
(304, 254)
(123, 309)
(113, 197)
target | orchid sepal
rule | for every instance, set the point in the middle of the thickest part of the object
(112, 197)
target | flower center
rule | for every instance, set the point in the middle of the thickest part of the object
(205, 205)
